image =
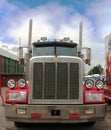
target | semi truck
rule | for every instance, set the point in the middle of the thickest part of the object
(54, 90)
(107, 87)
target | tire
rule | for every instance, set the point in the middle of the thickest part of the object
(88, 124)
(22, 125)
(109, 101)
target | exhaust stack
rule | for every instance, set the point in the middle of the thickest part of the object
(28, 54)
(30, 35)
(80, 35)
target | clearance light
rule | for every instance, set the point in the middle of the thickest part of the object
(99, 84)
(11, 83)
(38, 40)
(60, 40)
(89, 83)
(71, 41)
(19, 62)
(55, 40)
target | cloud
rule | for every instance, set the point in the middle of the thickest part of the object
(48, 22)
(101, 11)
(99, 14)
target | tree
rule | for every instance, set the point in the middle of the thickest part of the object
(96, 70)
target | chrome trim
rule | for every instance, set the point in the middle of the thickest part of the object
(56, 81)
(43, 82)
(63, 59)
(68, 81)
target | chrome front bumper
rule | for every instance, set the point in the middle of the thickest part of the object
(55, 113)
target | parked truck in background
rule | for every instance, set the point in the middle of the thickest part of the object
(56, 91)
(107, 88)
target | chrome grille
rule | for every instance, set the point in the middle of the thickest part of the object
(74, 81)
(37, 80)
(55, 80)
(49, 81)
(62, 80)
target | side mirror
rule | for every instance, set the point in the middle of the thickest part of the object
(86, 55)
(28, 56)
(20, 53)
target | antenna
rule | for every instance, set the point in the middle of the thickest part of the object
(19, 41)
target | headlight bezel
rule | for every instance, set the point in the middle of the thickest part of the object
(17, 96)
(89, 83)
(11, 83)
(98, 85)
(94, 97)
(22, 83)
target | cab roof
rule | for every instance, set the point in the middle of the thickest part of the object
(53, 43)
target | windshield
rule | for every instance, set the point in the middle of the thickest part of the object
(54, 50)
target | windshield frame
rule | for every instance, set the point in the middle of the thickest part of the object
(57, 46)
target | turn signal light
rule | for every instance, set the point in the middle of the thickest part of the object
(6, 95)
(74, 115)
(35, 115)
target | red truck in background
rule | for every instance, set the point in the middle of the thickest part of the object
(107, 88)
(55, 91)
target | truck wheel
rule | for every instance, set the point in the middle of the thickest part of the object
(89, 124)
(109, 101)
(22, 125)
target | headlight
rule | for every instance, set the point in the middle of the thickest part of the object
(93, 97)
(21, 83)
(11, 83)
(89, 83)
(99, 84)
(17, 95)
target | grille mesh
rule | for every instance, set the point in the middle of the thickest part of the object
(62, 80)
(55, 81)
(74, 81)
(49, 81)
(37, 80)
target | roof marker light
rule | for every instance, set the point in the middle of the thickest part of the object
(71, 41)
(61, 40)
(38, 40)
(55, 40)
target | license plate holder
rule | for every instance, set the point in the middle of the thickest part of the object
(55, 113)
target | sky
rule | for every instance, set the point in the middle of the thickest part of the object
(56, 19)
